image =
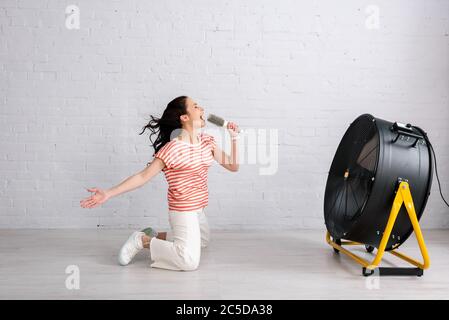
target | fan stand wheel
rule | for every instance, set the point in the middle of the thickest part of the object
(337, 241)
(369, 248)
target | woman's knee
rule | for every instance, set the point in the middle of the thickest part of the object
(187, 261)
(190, 265)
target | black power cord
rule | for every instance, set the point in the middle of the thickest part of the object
(434, 159)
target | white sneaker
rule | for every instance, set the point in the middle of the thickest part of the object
(131, 247)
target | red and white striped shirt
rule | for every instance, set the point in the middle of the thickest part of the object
(186, 167)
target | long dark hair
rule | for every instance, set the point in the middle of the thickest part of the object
(163, 127)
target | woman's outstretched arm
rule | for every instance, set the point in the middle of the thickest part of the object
(130, 183)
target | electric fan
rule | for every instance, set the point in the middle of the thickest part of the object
(375, 162)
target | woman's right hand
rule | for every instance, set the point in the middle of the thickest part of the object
(96, 199)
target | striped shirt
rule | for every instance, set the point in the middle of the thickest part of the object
(186, 167)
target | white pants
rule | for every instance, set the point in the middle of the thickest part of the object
(182, 248)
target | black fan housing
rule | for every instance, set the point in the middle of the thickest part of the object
(370, 160)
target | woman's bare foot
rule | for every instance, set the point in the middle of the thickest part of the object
(146, 241)
(162, 235)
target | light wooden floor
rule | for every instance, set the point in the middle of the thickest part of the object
(236, 265)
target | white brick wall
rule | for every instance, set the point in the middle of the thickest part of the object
(72, 102)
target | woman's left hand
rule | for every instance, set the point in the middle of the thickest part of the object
(233, 129)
